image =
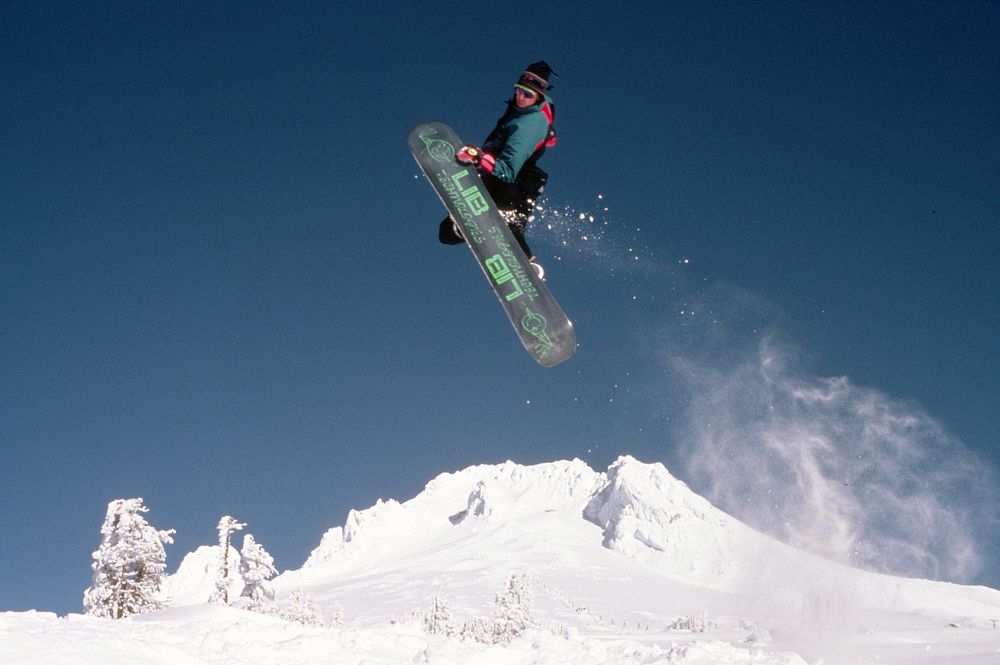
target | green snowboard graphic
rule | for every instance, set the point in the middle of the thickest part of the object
(540, 323)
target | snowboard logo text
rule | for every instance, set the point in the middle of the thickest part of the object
(473, 197)
(467, 203)
(501, 274)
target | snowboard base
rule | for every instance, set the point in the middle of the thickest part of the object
(544, 329)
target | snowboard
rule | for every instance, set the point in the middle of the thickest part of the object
(542, 326)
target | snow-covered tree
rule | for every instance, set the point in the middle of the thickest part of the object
(512, 617)
(227, 525)
(301, 609)
(513, 613)
(478, 629)
(440, 620)
(128, 567)
(256, 568)
(696, 623)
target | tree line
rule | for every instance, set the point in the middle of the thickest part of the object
(129, 566)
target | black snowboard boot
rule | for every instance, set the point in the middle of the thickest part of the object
(449, 234)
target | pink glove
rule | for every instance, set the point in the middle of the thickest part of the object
(470, 155)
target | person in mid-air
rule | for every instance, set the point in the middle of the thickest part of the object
(508, 158)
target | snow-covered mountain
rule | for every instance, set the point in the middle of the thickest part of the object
(628, 566)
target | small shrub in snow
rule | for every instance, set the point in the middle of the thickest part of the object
(301, 609)
(128, 567)
(754, 633)
(478, 629)
(695, 623)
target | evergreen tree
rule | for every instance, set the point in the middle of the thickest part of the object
(227, 525)
(478, 629)
(513, 613)
(440, 621)
(128, 567)
(256, 568)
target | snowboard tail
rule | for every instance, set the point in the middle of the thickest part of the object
(541, 325)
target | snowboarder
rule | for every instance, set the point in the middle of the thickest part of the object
(508, 158)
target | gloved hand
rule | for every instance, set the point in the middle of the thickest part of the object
(470, 155)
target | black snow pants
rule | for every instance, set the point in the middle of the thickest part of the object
(515, 200)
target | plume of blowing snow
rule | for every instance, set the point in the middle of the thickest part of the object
(837, 469)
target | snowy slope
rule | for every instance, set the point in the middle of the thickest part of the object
(624, 566)
(474, 527)
(194, 581)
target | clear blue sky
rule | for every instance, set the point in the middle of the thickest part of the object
(221, 289)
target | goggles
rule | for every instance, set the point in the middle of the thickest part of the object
(524, 90)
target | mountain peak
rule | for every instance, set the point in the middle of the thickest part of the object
(643, 511)
(598, 550)
(646, 512)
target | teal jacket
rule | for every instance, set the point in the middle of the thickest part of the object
(518, 134)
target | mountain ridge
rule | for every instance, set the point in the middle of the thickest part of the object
(565, 523)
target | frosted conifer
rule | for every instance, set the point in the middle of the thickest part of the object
(478, 629)
(227, 525)
(128, 567)
(513, 612)
(440, 621)
(301, 609)
(256, 568)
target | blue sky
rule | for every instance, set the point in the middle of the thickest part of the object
(221, 289)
